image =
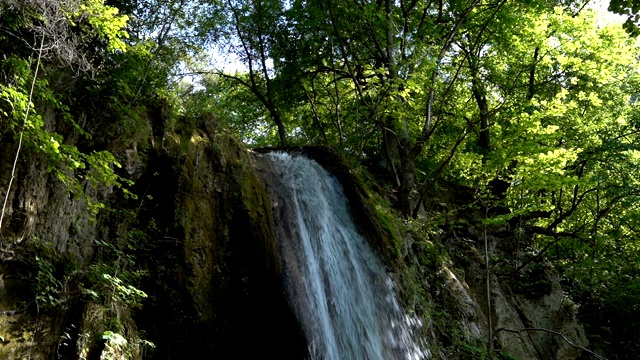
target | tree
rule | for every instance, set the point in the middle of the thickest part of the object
(64, 34)
(630, 9)
(252, 31)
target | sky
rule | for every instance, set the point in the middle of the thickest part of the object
(606, 17)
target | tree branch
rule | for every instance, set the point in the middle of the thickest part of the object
(555, 333)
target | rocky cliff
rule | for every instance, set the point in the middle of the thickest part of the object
(190, 268)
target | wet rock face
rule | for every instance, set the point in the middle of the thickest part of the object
(213, 274)
(40, 219)
(39, 209)
(219, 275)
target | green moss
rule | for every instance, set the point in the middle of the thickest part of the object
(390, 224)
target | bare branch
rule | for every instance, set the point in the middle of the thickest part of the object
(555, 333)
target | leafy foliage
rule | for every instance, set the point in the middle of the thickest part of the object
(630, 9)
(531, 106)
(22, 93)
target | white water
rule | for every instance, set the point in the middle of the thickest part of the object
(339, 289)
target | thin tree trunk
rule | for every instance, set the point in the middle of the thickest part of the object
(480, 95)
(532, 75)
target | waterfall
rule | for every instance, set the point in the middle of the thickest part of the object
(340, 291)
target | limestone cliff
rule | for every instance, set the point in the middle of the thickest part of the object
(198, 242)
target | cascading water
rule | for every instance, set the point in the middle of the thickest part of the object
(339, 289)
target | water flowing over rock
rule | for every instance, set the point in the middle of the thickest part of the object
(220, 229)
(339, 289)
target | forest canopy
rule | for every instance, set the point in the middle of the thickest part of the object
(533, 105)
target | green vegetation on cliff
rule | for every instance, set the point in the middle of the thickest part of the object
(469, 117)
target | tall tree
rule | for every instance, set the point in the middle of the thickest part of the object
(252, 30)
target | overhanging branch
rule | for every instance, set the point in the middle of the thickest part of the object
(520, 331)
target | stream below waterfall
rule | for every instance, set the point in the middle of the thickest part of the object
(339, 290)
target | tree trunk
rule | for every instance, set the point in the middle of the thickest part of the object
(407, 178)
(282, 132)
(480, 95)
